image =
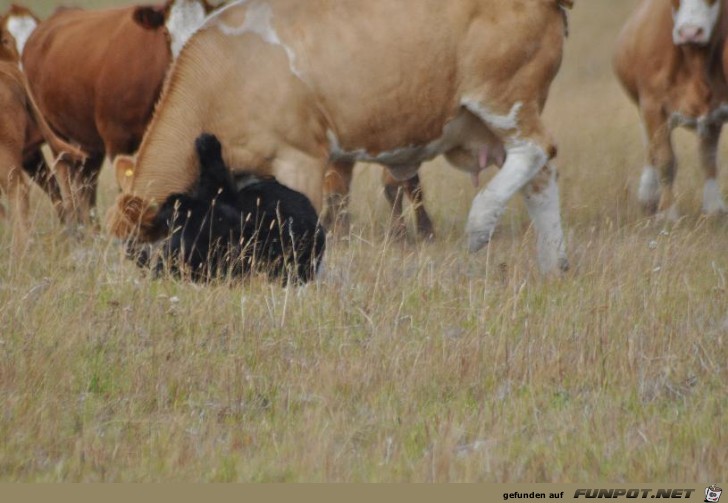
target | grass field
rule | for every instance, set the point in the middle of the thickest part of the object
(403, 363)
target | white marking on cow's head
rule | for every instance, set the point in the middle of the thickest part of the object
(21, 27)
(184, 18)
(259, 20)
(694, 21)
(179, 18)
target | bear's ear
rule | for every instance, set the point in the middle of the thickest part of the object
(150, 18)
(124, 170)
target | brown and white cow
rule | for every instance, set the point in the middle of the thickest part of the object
(672, 59)
(22, 127)
(97, 75)
(414, 79)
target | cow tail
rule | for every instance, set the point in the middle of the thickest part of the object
(58, 145)
(564, 5)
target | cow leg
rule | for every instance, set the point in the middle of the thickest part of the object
(528, 150)
(337, 185)
(303, 172)
(542, 201)
(712, 199)
(37, 168)
(14, 183)
(394, 191)
(63, 173)
(656, 183)
(413, 188)
(78, 188)
(89, 182)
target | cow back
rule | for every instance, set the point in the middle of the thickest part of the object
(97, 74)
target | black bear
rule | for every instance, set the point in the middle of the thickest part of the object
(223, 229)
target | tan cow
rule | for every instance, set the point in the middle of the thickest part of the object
(21, 124)
(672, 60)
(414, 79)
(97, 75)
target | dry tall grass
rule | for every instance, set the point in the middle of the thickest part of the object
(414, 363)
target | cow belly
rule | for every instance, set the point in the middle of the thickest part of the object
(465, 135)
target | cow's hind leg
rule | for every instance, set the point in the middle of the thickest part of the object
(88, 181)
(712, 198)
(35, 165)
(542, 200)
(529, 149)
(14, 183)
(78, 185)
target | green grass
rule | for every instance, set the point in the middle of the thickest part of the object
(403, 363)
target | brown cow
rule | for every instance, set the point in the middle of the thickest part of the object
(672, 59)
(97, 74)
(21, 124)
(20, 22)
(259, 76)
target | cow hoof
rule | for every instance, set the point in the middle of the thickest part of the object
(715, 210)
(670, 215)
(426, 231)
(564, 264)
(478, 240)
(428, 237)
(649, 208)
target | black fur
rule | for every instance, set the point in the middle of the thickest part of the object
(220, 231)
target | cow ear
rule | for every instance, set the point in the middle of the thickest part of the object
(124, 171)
(149, 18)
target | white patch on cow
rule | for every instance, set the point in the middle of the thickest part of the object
(184, 19)
(720, 114)
(649, 190)
(259, 21)
(501, 122)
(524, 160)
(545, 212)
(21, 28)
(695, 15)
(712, 198)
(679, 119)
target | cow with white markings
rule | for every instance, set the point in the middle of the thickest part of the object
(672, 59)
(258, 75)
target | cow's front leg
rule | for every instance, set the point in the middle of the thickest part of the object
(337, 185)
(713, 202)
(395, 190)
(656, 183)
